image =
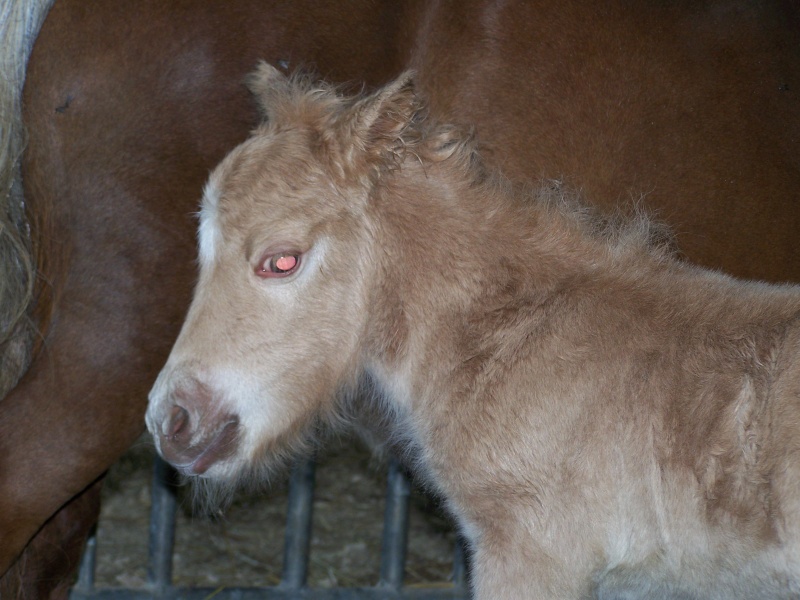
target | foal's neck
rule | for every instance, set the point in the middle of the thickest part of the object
(454, 250)
(454, 236)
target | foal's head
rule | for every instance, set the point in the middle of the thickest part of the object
(276, 324)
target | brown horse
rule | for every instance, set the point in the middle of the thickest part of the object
(691, 109)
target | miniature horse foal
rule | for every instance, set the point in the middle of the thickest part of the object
(600, 418)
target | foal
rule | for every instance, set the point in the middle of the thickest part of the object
(600, 418)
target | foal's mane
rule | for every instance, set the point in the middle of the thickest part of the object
(628, 228)
(404, 130)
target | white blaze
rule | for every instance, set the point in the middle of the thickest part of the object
(209, 234)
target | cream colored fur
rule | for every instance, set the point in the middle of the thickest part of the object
(602, 419)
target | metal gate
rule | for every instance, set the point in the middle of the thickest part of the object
(295, 555)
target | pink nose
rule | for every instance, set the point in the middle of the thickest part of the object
(193, 445)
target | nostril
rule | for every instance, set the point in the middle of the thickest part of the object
(178, 420)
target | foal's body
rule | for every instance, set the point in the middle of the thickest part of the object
(600, 418)
(595, 416)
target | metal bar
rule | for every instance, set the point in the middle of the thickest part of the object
(162, 527)
(460, 571)
(85, 583)
(278, 593)
(296, 552)
(298, 527)
(395, 528)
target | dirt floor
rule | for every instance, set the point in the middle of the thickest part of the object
(244, 547)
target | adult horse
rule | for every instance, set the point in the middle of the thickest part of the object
(691, 108)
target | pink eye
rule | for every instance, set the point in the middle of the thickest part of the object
(283, 263)
(278, 265)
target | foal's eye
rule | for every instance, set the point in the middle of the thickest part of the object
(278, 265)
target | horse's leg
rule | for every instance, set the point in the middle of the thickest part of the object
(86, 407)
(47, 565)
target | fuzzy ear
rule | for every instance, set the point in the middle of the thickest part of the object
(267, 83)
(382, 123)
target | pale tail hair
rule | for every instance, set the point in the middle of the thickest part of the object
(20, 21)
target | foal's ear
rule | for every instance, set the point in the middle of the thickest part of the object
(382, 122)
(267, 84)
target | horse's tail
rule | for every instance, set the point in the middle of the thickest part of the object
(20, 21)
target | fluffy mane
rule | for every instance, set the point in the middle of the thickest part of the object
(342, 128)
